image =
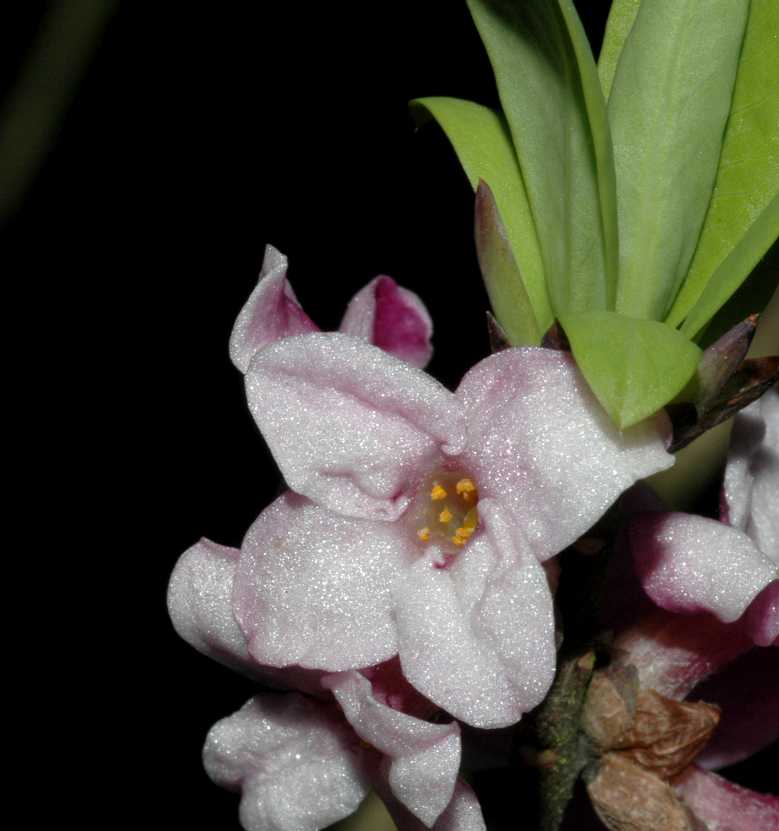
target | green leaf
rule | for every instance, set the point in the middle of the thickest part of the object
(668, 108)
(508, 297)
(634, 366)
(752, 296)
(621, 18)
(481, 139)
(748, 174)
(551, 95)
(733, 270)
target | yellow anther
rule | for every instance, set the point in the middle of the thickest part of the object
(445, 516)
(471, 520)
(438, 493)
(458, 540)
(463, 532)
(466, 488)
(424, 534)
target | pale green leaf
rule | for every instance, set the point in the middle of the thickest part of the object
(668, 108)
(748, 174)
(753, 296)
(621, 17)
(736, 266)
(634, 366)
(502, 278)
(481, 139)
(551, 96)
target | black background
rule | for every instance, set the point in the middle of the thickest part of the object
(200, 133)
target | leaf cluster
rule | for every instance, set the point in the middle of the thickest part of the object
(627, 199)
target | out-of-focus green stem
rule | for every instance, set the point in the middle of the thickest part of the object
(700, 461)
(48, 80)
(371, 816)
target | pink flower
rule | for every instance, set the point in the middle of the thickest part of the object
(313, 767)
(722, 579)
(300, 767)
(416, 527)
(417, 517)
(302, 763)
(730, 568)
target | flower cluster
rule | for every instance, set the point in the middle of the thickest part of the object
(405, 582)
(449, 567)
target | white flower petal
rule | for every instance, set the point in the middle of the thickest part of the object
(751, 487)
(315, 588)
(424, 757)
(294, 761)
(350, 426)
(477, 638)
(541, 444)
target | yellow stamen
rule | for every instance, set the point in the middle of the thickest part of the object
(438, 493)
(447, 511)
(466, 488)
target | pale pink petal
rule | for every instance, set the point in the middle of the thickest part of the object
(424, 757)
(723, 806)
(350, 426)
(762, 617)
(271, 312)
(392, 318)
(477, 637)
(199, 603)
(752, 474)
(295, 762)
(462, 814)
(673, 653)
(315, 589)
(539, 442)
(692, 564)
(746, 693)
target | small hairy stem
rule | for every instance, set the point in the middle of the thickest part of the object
(565, 749)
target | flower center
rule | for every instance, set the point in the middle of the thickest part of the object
(445, 513)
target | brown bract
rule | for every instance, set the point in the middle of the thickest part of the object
(610, 705)
(645, 739)
(627, 797)
(658, 733)
(666, 735)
